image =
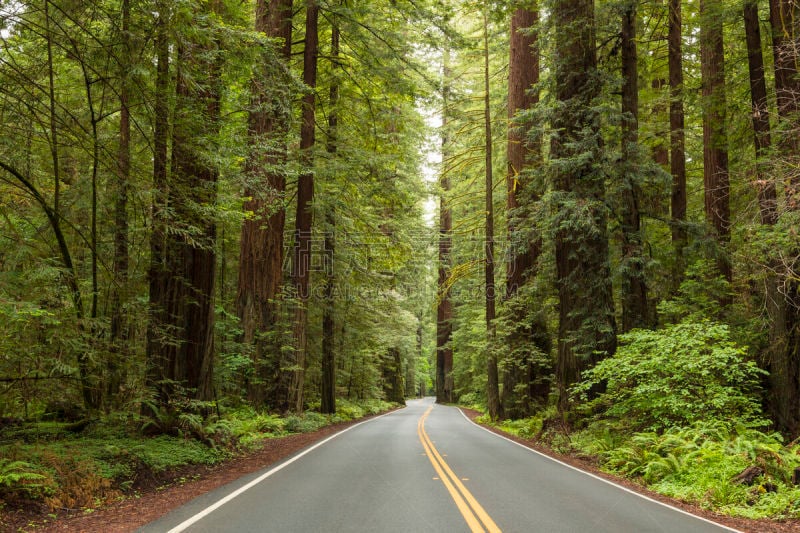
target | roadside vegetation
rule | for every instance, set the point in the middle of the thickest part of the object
(681, 415)
(58, 466)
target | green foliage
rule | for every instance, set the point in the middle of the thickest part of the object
(20, 476)
(45, 461)
(249, 427)
(527, 428)
(675, 376)
(699, 463)
(309, 421)
(699, 295)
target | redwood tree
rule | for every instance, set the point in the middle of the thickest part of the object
(493, 379)
(587, 328)
(523, 152)
(444, 305)
(635, 308)
(784, 364)
(715, 137)
(677, 142)
(760, 113)
(181, 335)
(261, 245)
(328, 387)
(301, 264)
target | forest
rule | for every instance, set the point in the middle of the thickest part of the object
(223, 220)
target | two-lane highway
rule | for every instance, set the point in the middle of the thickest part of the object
(424, 468)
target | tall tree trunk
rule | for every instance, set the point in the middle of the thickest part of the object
(328, 400)
(767, 200)
(715, 137)
(93, 379)
(444, 306)
(305, 195)
(587, 329)
(161, 342)
(184, 296)
(635, 307)
(261, 243)
(677, 143)
(392, 367)
(784, 367)
(523, 152)
(661, 145)
(193, 170)
(119, 325)
(785, 21)
(493, 381)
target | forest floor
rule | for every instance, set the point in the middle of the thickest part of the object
(159, 495)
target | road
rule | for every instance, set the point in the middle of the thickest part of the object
(424, 468)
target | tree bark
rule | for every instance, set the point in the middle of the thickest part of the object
(261, 243)
(587, 329)
(715, 137)
(301, 266)
(635, 306)
(185, 277)
(161, 350)
(784, 364)
(119, 326)
(765, 185)
(328, 400)
(523, 152)
(444, 306)
(677, 144)
(493, 381)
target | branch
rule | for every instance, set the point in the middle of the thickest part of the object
(52, 217)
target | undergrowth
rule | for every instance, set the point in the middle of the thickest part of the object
(680, 414)
(47, 463)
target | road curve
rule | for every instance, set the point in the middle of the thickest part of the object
(425, 468)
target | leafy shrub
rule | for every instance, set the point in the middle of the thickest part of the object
(699, 464)
(163, 452)
(527, 428)
(675, 376)
(310, 421)
(21, 477)
(472, 400)
(347, 410)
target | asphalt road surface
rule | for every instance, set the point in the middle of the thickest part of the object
(424, 468)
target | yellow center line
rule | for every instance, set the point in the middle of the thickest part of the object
(469, 507)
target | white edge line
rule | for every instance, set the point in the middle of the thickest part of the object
(604, 480)
(210, 509)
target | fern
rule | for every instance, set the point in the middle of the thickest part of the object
(18, 475)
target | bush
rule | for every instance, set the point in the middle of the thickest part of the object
(675, 376)
(699, 464)
(310, 421)
(527, 428)
(20, 477)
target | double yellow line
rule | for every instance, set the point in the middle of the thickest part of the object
(477, 518)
